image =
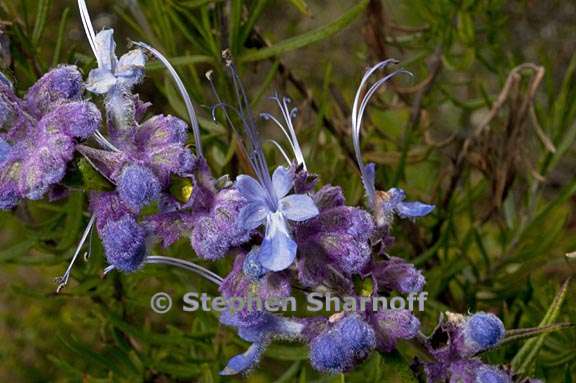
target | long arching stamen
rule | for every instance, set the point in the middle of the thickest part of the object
(181, 263)
(358, 109)
(268, 116)
(187, 265)
(63, 280)
(183, 93)
(103, 141)
(256, 152)
(282, 151)
(288, 130)
(87, 23)
(220, 102)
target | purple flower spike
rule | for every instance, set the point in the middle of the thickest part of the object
(124, 243)
(345, 251)
(162, 140)
(55, 87)
(462, 371)
(488, 374)
(107, 206)
(273, 207)
(218, 231)
(138, 186)
(44, 168)
(393, 325)
(328, 197)
(481, 331)
(8, 194)
(397, 274)
(41, 131)
(339, 233)
(392, 202)
(340, 348)
(75, 119)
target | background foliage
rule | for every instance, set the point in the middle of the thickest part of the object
(488, 140)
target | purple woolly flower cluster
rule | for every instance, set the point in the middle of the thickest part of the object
(284, 231)
(40, 132)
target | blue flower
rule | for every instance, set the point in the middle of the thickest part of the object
(391, 202)
(138, 186)
(341, 347)
(482, 331)
(259, 328)
(112, 72)
(383, 204)
(488, 374)
(124, 243)
(273, 207)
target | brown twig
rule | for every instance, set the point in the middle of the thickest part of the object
(511, 83)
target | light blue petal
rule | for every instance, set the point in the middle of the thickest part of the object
(105, 47)
(250, 189)
(243, 362)
(298, 207)
(132, 58)
(282, 181)
(100, 81)
(253, 215)
(131, 68)
(413, 209)
(278, 250)
(396, 196)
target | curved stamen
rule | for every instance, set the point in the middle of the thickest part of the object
(358, 109)
(268, 116)
(224, 106)
(87, 23)
(187, 265)
(103, 141)
(288, 115)
(63, 280)
(183, 93)
(258, 160)
(181, 263)
(281, 149)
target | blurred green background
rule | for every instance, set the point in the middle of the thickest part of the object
(485, 130)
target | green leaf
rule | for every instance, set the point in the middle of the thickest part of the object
(73, 223)
(307, 38)
(396, 369)
(465, 28)
(91, 179)
(526, 356)
(61, 31)
(282, 352)
(301, 6)
(289, 374)
(17, 250)
(512, 335)
(234, 25)
(254, 15)
(41, 16)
